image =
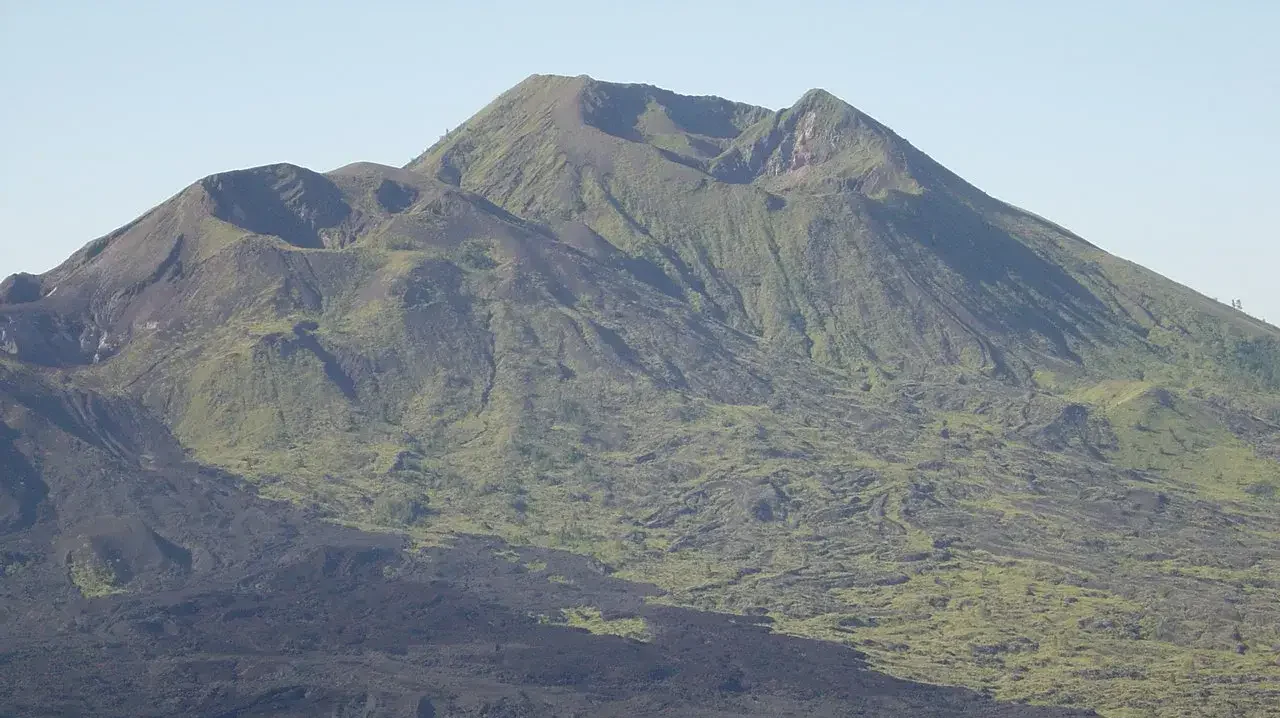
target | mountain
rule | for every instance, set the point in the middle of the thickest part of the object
(777, 364)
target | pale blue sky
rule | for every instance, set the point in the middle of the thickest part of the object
(1150, 128)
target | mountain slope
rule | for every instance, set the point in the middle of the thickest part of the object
(133, 583)
(814, 227)
(775, 363)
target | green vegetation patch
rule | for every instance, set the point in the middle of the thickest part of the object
(591, 619)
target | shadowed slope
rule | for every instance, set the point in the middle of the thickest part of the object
(137, 584)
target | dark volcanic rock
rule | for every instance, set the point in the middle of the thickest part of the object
(370, 631)
(213, 602)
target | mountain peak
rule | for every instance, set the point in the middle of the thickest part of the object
(823, 144)
(731, 141)
(585, 118)
(818, 95)
(537, 83)
(836, 111)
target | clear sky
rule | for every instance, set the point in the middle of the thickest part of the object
(1150, 128)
